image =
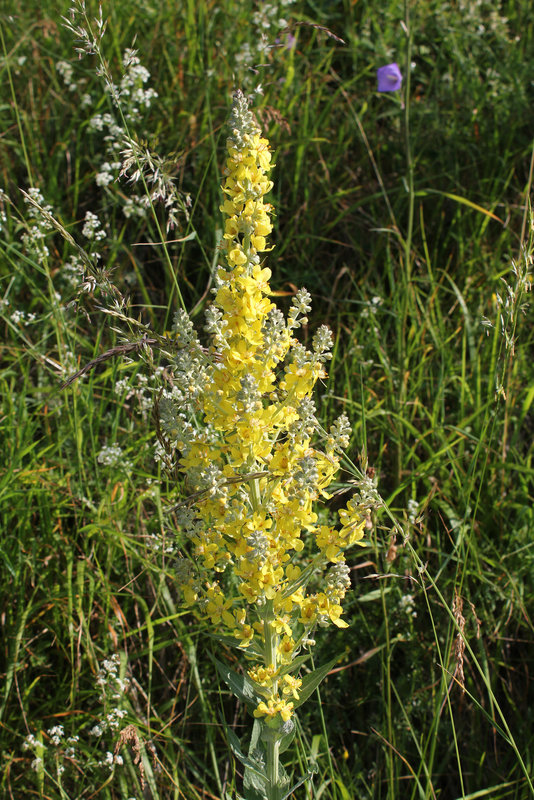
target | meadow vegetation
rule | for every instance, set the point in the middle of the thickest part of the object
(406, 215)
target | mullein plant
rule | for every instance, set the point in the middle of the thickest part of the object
(263, 570)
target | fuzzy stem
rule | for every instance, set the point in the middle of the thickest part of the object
(273, 742)
(273, 747)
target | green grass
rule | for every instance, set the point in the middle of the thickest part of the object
(404, 224)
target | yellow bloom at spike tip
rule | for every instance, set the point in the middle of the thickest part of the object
(243, 422)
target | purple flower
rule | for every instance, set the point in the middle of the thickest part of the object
(389, 78)
(290, 41)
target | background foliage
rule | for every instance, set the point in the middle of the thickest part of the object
(408, 224)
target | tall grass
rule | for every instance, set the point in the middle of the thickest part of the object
(406, 223)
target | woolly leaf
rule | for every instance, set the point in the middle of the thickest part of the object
(255, 739)
(293, 666)
(286, 740)
(231, 641)
(302, 580)
(241, 686)
(311, 681)
(248, 762)
(299, 783)
(254, 783)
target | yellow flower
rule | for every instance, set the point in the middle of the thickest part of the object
(236, 257)
(353, 523)
(273, 707)
(292, 685)
(264, 676)
(217, 607)
(286, 649)
(308, 612)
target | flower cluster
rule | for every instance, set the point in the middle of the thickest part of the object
(38, 226)
(120, 130)
(113, 456)
(244, 424)
(54, 748)
(269, 36)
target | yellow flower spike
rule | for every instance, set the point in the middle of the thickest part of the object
(247, 431)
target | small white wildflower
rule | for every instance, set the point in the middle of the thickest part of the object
(133, 207)
(96, 123)
(122, 386)
(31, 742)
(112, 456)
(413, 507)
(96, 730)
(36, 195)
(121, 686)
(37, 763)
(92, 229)
(56, 734)
(406, 604)
(111, 664)
(66, 71)
(105, 175)
(114, 717)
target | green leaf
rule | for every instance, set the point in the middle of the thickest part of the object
(255, 739)
(375, 594)
(254, 794)
(527, 402)
(306, 777)
(311, 681)
(248, 762)
(459, 199)
(231, 641)
(293, 666)
(344, 791)
(302, 580)
(286, 740)
(254, 784)
(241, 686)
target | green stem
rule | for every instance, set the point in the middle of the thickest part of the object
(409, 159)
(255, 494)
(273, 748)
(273, 741)
(407, 289)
